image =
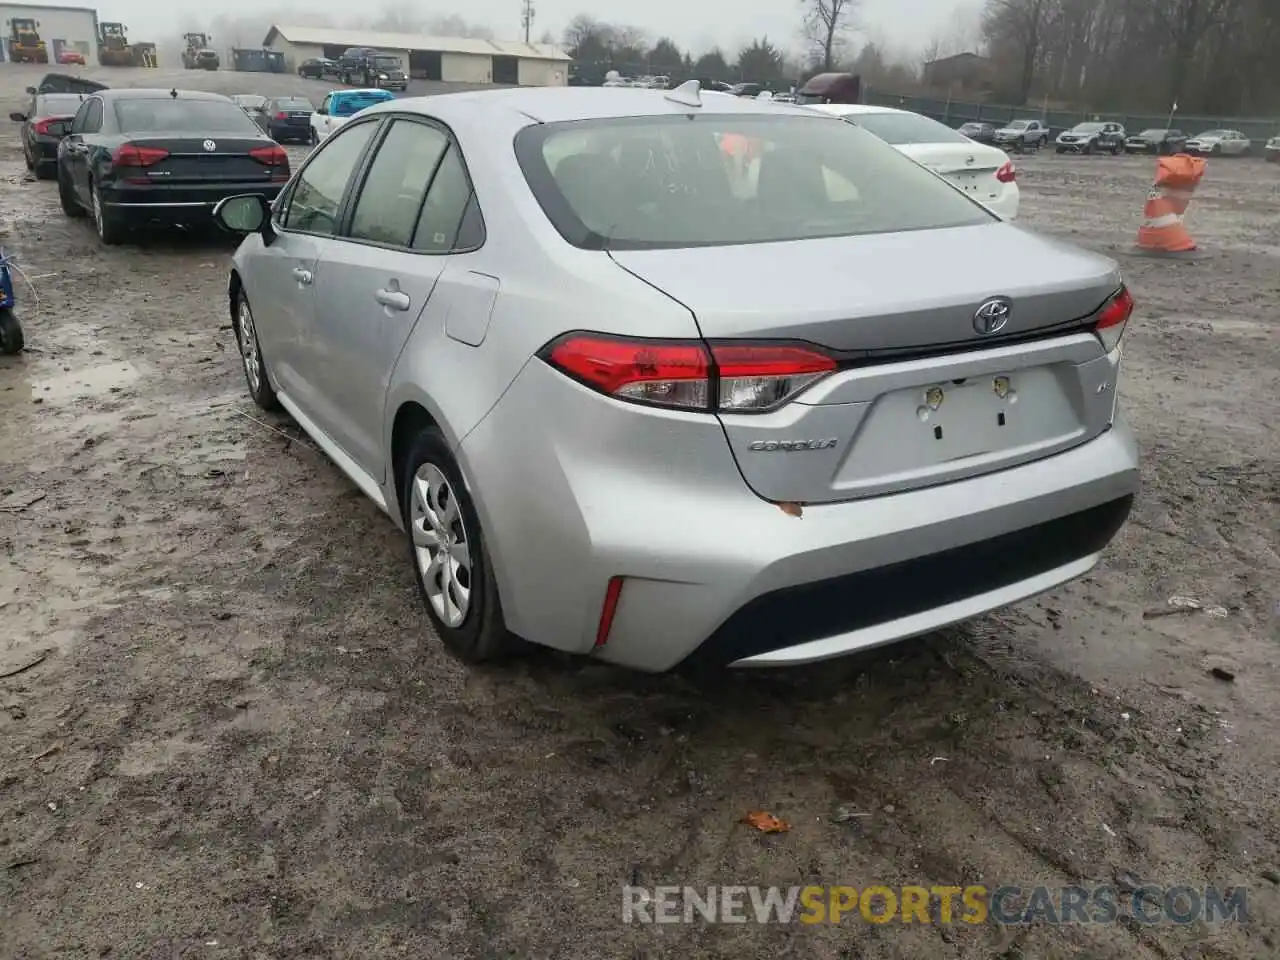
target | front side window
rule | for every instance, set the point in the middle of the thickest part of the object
(396, 184)
(715, 180)
(322, 183)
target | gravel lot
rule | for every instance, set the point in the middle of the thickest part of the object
(243, 742)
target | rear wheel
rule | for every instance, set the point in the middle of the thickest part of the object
(106, 222)
(448, 553)
(46, 171)
(313, 138)
(10, 333)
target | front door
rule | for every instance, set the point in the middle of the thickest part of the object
(283, 281)
(374, 284)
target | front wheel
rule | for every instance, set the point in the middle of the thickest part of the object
(11, 340)
(314, 137)
(255, 368)
(447, 549)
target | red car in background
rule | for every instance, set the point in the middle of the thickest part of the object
(71, 56)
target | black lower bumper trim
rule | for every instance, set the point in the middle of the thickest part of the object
(827, 608)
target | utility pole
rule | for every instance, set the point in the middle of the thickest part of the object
(526, 17)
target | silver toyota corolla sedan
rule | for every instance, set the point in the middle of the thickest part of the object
(650, 376)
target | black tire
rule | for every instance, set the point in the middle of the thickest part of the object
(26, 158)
(11, 340)
(251, 359)
(46, 171)
(1062, 150)
(108, 224)
(1088, 149)
(66, 196)
(1216, 151)
(313, 138)
(482, 633)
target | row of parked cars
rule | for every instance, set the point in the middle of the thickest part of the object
(296, 119)
(1110, 137)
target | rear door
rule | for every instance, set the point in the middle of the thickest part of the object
(87, 124)
(373, 285)
(281, 285)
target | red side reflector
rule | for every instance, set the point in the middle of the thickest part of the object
(610, 607)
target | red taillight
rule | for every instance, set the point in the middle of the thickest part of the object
(685, 374)
(1113, 317)
(134, 156)
(282, 115)
(1007, 172)
(611, 596)
(273, 157)
(41, 126)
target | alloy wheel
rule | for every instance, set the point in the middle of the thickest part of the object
(248, 335)
(440, 545)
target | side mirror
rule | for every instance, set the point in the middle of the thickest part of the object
(322, 111)
(18, 117)
(31, 90)
(245, 213)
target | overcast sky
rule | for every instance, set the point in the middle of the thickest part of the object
(904, 24)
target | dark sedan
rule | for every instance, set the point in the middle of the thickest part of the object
(287, 118)
(45, 122)
(1156, 141)
(135, 157)
(979, 132)
(317, 68)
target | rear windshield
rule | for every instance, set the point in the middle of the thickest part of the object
(355, 102)
(904, 128)
(297, 104)
(58, 104)
(183, 116)
(714, 180)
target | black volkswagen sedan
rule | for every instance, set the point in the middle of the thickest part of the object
(134, 157)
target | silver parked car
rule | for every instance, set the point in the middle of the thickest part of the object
(651, 376)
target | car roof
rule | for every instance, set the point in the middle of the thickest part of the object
(145, 93)
(561, 104)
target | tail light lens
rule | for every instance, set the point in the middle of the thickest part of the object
(134, 156)
(689, 375)
(273, 157)
(1113, 317)
(41, 126)
(1007, 173)
(282, 115)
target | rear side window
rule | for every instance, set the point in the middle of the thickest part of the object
(183, 116)
(904, 128)
(447, 201)
(713, 180)
(393, 190)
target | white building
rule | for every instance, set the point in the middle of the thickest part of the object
(451, 59)
(61, 28)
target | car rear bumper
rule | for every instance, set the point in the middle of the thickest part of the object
(46, 150)
(710, 570)
(290, 131)
(1006, 205)
(181, 202)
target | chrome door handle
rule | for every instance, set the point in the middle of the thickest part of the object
(301, 275)
(392, 299)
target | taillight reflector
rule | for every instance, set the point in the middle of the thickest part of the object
(612, 594)
(273, 157)
(1007, 173)
(687, 374)
(131, 155)
(282, 115)
(1112, 318)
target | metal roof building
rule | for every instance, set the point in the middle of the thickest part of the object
(451, 59)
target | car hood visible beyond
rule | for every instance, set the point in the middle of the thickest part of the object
(882, 291)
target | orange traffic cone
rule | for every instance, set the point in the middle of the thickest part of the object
(1162, 232)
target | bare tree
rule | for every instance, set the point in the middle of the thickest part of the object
(1021, 26)
(826, 26)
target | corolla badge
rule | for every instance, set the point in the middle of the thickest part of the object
(993, 316)
(210, 146)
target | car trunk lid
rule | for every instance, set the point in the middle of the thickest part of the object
(198, 160)
(968, 166)
(922, 397)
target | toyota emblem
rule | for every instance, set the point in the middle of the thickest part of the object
(992, 316)
(210, 146)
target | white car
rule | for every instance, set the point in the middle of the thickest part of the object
(1231, 143)
(984, 173)
(340, 106)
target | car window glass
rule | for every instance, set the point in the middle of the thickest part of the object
(313, 207)
(93, 122)
(324, 106)
(77, 125)
(447, 200)
(396, 183)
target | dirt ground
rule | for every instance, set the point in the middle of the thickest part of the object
(242, 740)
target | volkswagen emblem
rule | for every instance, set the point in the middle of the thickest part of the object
(992, 316)
(210, 146)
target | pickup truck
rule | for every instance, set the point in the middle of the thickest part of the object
(340, 106)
